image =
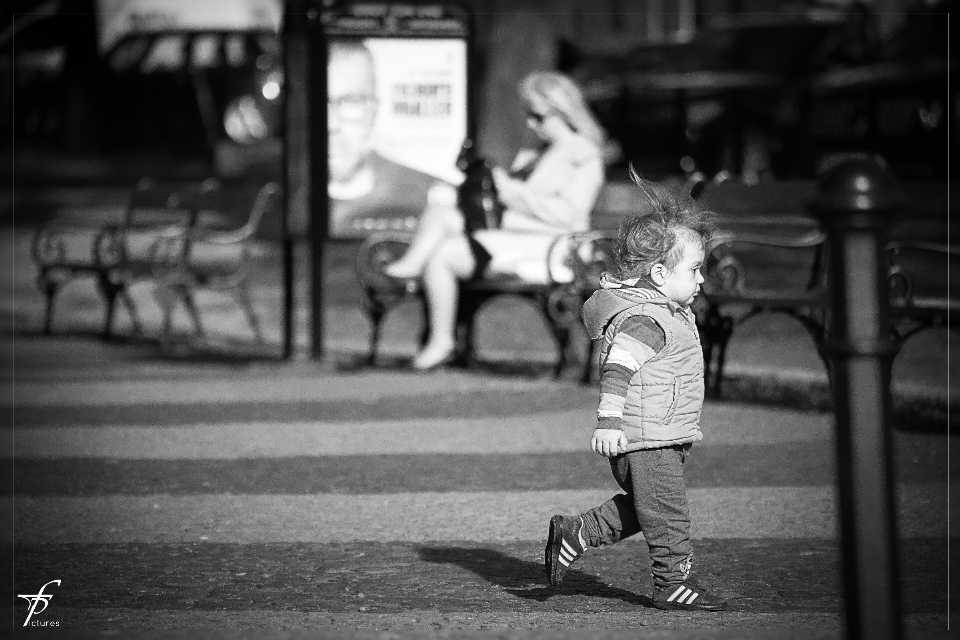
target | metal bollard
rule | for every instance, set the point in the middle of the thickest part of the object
(855, 200)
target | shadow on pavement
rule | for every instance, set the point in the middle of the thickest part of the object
(179, 348)
(514, 575)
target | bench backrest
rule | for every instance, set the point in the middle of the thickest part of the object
(219, 253)
(771, 246)
(157, 219)
(157, 204)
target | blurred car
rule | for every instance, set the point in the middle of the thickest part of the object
(216, 92)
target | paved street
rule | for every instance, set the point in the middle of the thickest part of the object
(217, 488)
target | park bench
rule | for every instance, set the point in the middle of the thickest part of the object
(146, 240)
(918, 301)
(575, 263)
(214, 258)
(744, 276)
(771, 256)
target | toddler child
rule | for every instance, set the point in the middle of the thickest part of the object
(651, 394)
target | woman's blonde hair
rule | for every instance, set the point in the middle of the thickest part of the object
(563, 97)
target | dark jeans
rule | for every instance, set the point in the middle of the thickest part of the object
(655, 503)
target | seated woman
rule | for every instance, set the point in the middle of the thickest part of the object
(548, 192)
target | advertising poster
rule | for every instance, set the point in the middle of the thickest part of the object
(397, 116)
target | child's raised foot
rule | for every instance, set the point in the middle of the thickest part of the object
(563, 546)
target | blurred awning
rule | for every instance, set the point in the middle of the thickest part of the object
(176, 50)
(702, 83)
(120, 18)
(31, 25)
(887, 76)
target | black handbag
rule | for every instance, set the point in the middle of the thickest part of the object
(477, 195)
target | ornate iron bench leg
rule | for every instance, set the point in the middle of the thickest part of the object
(135, 319)
(50, 289)
(245, 300)
(725, 331)
(114, 291)
(375, 310)
(561, 308)
(561, 335)
(715, 333)
(166, 297)
(563, 342)
(110, 291)
(192, 309)
(468, 304)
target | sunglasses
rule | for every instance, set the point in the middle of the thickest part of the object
(537, 117)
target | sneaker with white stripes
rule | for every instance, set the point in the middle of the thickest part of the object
(688, 596)
(563, 546)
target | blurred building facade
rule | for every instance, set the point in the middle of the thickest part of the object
(72, 86)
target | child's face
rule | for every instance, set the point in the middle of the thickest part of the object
(682, 283)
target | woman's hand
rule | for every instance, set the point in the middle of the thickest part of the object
(608, 442)
(506, 186)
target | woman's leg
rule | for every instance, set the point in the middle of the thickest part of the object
(437, 224)
(451, 262)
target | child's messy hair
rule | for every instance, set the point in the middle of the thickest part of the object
(653, 236)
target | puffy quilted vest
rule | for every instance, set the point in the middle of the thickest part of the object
(665, 397)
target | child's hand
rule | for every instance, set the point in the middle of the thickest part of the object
(609, 442)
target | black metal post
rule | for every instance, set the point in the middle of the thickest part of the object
(319, 171)
(294, 59)
(297, 161)
(854, 202)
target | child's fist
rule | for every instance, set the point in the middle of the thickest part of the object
(608, 442)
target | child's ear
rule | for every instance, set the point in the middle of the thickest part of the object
(658, 273)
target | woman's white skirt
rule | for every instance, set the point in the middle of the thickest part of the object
(531, 256)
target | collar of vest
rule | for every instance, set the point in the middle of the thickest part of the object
(638, 291)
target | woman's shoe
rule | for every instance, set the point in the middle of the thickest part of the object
(429, 361)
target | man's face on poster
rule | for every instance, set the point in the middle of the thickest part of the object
(351, 110)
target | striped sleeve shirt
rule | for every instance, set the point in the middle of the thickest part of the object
(638, 339)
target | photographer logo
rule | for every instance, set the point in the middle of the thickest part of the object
(39, 598)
